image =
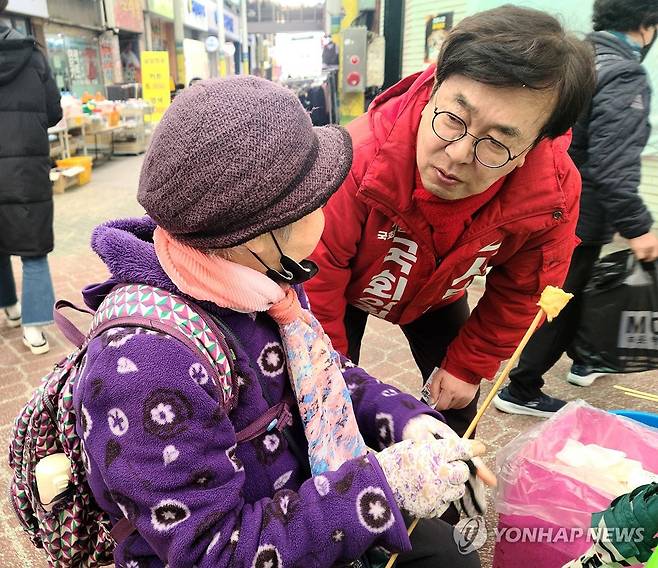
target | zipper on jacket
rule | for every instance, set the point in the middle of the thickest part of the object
(396, 218)
(504, 222)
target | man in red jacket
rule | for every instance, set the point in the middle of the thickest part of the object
(459, 169)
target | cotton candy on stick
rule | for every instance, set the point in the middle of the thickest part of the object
(551, 303)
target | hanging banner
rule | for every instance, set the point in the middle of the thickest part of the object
(128, 15)
(195, 15)
(436, 30)
(155, 81)
(28, 7)
(162, 8)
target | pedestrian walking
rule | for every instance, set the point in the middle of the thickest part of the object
(29, 104)
(607, 148)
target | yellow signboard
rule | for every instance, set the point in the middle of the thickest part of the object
(155, 81)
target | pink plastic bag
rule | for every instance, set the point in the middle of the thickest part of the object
(535, 493)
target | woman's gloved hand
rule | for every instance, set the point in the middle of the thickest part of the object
(426, 427)
(427, 476)
(474, 501)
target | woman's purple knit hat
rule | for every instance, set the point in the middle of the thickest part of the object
(235, 158)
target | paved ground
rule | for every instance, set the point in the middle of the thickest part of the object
(112, 194)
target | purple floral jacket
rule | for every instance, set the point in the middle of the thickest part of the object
(161, 450)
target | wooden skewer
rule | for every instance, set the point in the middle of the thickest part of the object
(487, 401)
(641, 393)
(506, 371)
(643, 397)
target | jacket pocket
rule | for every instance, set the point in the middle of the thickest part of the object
(555, 260)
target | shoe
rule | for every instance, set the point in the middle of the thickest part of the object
(582, 375)
(35, 340)
(13, 315)
(543, 406)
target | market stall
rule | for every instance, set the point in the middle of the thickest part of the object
(97, 128)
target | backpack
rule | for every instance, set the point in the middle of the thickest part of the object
(76, 532)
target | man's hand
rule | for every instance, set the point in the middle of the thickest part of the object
(645, 247)
(447, 391)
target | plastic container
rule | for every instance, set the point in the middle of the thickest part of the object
(53, 475)
(84, 161)
(646, 418)
(536, 494)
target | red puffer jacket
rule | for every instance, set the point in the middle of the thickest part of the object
(376, 252)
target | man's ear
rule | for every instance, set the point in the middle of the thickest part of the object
(525, 155)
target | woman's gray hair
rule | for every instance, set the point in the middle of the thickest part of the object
(282, 235)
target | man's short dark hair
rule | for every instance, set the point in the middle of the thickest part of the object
(624, 15)
(3, 5)
(512, 46)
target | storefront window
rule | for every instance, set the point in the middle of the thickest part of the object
(20, 24)
(75, 61)
(130, 63)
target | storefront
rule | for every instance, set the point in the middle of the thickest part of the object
(232, 37)
(108, 43)
(195, 15)
(423, 21)
(18, 12)
(195, 20)
(74, 59)
(129, 20)
(73, 45)
(161, 20)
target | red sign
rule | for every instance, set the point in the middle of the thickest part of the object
(128, 15)
(353, 79)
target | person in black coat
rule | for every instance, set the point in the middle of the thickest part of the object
(607, 145)
(29, 104)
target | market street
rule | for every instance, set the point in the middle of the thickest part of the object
(111, 194)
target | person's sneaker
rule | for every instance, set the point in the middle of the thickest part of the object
(582, 375)
(13, 315)
(35, 340)
(543, 406)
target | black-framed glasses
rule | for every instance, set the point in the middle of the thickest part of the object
(488, 151)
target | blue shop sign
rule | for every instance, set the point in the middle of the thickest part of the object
(229, 24)
(198, 9)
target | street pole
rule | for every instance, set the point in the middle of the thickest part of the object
(148, 35)
(179, 36)
(244, 37)
(351, 104)
(221, 36)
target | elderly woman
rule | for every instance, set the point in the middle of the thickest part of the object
(233, 184)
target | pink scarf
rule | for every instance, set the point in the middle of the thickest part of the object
(313, 365)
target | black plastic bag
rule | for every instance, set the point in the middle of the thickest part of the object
(618, 330)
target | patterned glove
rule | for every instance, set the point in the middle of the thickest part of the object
(427, 476)
(426, 427)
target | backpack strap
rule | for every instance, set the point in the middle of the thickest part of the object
(122, 530)
(66, 326)
(141, 305)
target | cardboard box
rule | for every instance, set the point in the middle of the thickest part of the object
(65, 178)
